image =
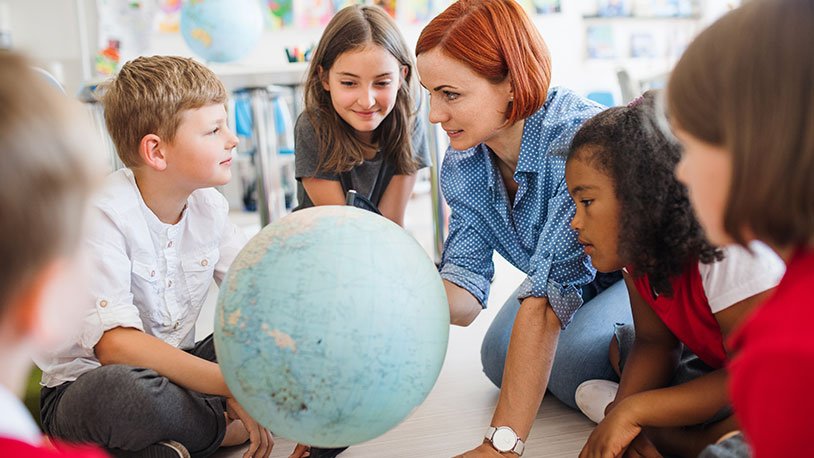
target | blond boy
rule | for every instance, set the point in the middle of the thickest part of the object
(135, 381)
(45, 179)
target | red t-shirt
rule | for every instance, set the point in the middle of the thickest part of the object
(687, 314)
(772, 374)
(14, 448)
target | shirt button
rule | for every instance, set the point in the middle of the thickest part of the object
(176, 325)
(103, 303)
(169, 283)
(204, 263)
(152, 274)
(169, 245)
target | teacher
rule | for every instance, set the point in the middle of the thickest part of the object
(488, 72)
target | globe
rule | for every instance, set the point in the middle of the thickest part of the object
(331, 326)
(221, 30)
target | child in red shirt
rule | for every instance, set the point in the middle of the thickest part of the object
(685, 294)
(741, 101)
(45, 180)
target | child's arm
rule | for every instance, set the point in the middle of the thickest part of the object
(687, 404)
(655, 353)
(394, 199)
(324, 192)
(135, 348)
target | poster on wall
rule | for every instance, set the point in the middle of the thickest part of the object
(422, 11)
(547, 6)
(280, 14)
(600, 43)
(387, 5)
(313, 13)
(169, 15)
(126, 28)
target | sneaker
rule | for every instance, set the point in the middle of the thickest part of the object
(326, 452)
(593, 396)
(163, 449)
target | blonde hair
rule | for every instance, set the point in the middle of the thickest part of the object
(746, 84)
(353, 28)
(149, 96)
(46, 176)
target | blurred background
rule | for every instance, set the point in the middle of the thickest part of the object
(607, 50)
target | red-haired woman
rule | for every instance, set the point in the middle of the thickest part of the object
(488, 72)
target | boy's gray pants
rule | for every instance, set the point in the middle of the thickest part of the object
(129, 408)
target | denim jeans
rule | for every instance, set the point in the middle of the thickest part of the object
(582, 349)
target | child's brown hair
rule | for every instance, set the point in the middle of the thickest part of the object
(46, 175)
(149, 96)
(746, 84)
(354, 28)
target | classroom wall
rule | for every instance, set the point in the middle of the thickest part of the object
(57, 32)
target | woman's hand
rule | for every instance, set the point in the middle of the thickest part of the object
(483, 451)
(260, 440)
(613, 435)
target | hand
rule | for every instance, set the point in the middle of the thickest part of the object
(641, 447)
(485, 450)
(613, 435)
(300, 451)
(260, 440)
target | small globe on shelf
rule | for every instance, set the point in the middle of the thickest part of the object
(221, 30)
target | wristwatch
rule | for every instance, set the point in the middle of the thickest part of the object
(504, 439)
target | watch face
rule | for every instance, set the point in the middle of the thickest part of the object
(504, 439)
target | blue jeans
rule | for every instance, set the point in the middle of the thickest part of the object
(582, 349)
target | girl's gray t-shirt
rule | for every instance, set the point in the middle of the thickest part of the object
(363, 176)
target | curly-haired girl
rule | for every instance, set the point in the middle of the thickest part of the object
(633, 213)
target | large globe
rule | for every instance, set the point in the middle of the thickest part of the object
(221, 30)
(332, 326)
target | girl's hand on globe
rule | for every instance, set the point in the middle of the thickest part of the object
(300, 451)
(260, 440)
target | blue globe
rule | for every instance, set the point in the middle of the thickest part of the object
(221, 30)
(331, 326)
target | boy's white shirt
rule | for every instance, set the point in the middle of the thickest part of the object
(15, 422)
(148, 275)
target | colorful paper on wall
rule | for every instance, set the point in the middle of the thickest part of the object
(387, 5)
(313, 13)
(126, 29)
(600, 43)
(547, 6)
(280, 14)
(418, 11)
(169, 15)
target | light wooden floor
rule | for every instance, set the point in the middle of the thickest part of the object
(458, 410)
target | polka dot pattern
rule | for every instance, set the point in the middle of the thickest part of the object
(534, 234)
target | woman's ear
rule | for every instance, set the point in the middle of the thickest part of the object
(151, 150)
(323, 77)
